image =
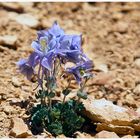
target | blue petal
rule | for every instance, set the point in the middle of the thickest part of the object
(25, 69)
(33, 59)
(47, 61)
(74, 56)
(52, 45)
(36, 46)
(21, 62)
(76, 42)
(55, 30)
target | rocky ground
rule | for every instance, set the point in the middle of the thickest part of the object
(111, 38)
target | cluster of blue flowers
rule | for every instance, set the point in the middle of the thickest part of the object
(54, 46)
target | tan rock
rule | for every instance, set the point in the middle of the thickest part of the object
(2, 116)
(137, 62)
(117, 16)
(138, 111)
(9, 40)
(61, 136)
(103, 67)
(129, 99)
(105, 111)
(82, 135)
(126, 130)
(9, 109)
(19, 129)
(15, 82)
(27, 20)
(106, 134)
(46, 134)
(129, 136)
(100, 65)
(111, 117)
(121, 27)
(137, 126)
(12, 6)
(137, 89)
(102, 78)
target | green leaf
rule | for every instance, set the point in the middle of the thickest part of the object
(52, 83)
(39, 115)
(51, 94)
(82, 95)
(55, 114)
(55, 128)
(41, 94)
(66, 91)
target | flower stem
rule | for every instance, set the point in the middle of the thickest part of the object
(50, 103)
(64, 99)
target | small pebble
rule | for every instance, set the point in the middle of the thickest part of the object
(15, 82)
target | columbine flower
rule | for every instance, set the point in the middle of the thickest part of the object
(25, 69)
(55, 32)
(54, 43)
(81, 70)
(51, 45)
(46, 45)
(70, 48)
(26, 66)
(44, 53)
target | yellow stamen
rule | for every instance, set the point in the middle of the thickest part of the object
(43, 43)
(82, 72)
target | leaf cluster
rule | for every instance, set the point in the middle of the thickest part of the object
(44, 93)
(62, 118)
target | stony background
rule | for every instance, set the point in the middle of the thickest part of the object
(111, 38)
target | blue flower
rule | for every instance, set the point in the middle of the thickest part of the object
(26, 66)
(55, 32)
(54, 44)
(80, 70)
(46, 45)
(70, 48)
(71, 42)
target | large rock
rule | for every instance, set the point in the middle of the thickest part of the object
(111, 117)
(127, 130)
(12, 6)
(129, 136)
(19, 129)
(9, 40)
(26, 19)
(106, 134)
